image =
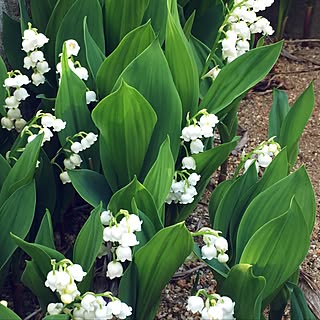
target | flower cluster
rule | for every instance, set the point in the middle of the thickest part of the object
(83, 307)
(215, 307)
(122, 237)
(15, 94)
(62, 279)
(72, 49)
(48, 124)
(242, 21)
(262, 155)
(95, 307)
(183, 185)
(32, 42)
(215, 245)
(73, 159)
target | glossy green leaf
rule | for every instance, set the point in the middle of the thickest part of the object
(91, 186)
(148, 230)
(59, 12)
(246, 290)
(123, 118)
(150, 74)
(278, 112)
(208, 19)
(6, 313)
(4, 170)
(45, 234)
(201, 53)
(95, 56)
(159, 179)
(159, 259)
(89, 240)
(23, 171)
(132, 45)
(41, 11)
(41, 255)
(71, 27)
(34, 280)
(71, 106)
(227, 208)
(3, 91)
(121, 17)
(122, 199)
(239, 76)
(156, 12)
(179, 55)
(45, 180)
(216, 197)
(298, 305)
(270, 247)
(207, 162)
(24, 16)
(274, 201)
(22, 203)
(295, 122)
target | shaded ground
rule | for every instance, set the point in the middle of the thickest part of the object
(293, 73)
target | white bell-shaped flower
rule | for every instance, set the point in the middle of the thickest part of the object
(188, 163)
(114, 270)
(195, 304)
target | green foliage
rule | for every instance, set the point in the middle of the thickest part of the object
(124, 118)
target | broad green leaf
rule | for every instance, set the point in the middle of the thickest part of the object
(217, 196)
(230, 210)
(12, 39)
(85, 252)
(6, 313)
(148, 230)
(298, 304)
(121, 17)
(41, 11)
(3, 91)
(207, 162)
(156, 12)
(94, 55)
(41, 255)
(246, 289)
(159, 179)
(295, 122)
(274, 201)
(239, 76)
(143, 200)
(91, 186)
(201, 53)
(24, 16)
(270, 247)
(23, 171)
(4, 170)
(45, 180)
(227, 208)
(278, 112)
(71, 106)
(179, 55)
(54, 23)
(208, 19)
(71, 27)
(16, 215)
(159, 259)
(45, 234)
(123, 118)
(132, 45)
(34, 280)
(150, 74)
(188, 26)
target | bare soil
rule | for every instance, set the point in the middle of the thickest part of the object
(297, 67)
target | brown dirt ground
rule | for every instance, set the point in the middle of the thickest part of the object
(293, 76)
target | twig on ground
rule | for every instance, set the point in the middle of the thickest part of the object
(30, 316)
